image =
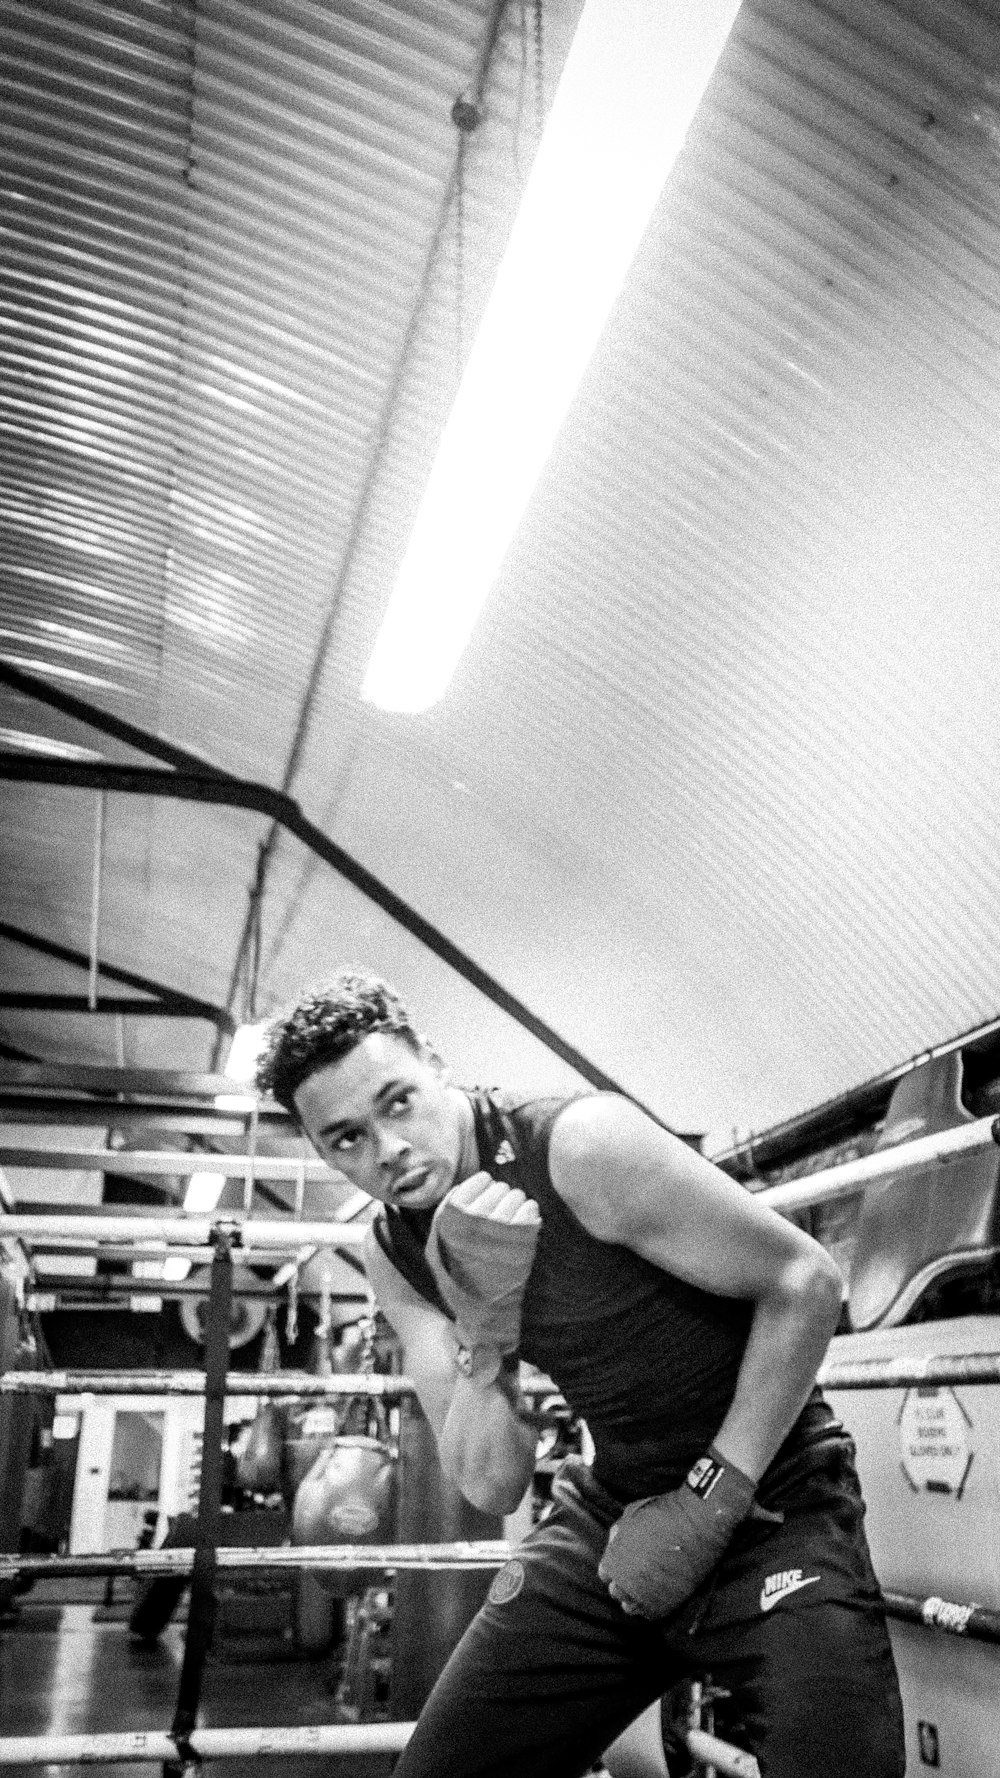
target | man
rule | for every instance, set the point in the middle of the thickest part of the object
(719, 1527)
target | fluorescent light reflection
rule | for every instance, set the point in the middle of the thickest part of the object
(240, 1066)
(148, 1269)
(171, 1270)
(634, 77)
(203, 1192)
(20, 742)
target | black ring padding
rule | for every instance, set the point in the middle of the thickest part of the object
(201, 1611)
(186, 1752)
(976, 1622)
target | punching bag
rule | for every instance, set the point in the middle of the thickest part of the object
(258, 1450)
(431, 1609)
(348, 1496)
(312, 1425)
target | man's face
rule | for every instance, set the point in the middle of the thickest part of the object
(384, 1116)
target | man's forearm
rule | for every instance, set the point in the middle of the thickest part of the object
(487, 1449)
(791, 1330)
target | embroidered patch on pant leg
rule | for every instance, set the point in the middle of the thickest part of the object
(507, 1584)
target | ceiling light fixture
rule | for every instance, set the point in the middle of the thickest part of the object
(241, 1063)
(633, 80)
(203, 1192)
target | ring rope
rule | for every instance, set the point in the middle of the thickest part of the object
(334, 1557)
(263, 1743)
(978, 1623)
(909, 1372)
(160, 1746)
(289, 1383)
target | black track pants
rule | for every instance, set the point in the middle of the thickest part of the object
(551, 1670)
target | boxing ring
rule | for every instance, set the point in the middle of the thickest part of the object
(184, 1744)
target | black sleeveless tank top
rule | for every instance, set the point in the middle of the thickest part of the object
(649, 1361)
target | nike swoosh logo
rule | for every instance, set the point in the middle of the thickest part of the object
(768, 1601)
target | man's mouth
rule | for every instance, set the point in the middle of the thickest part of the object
(410, 1182)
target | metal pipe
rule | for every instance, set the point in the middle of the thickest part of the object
(207, 785)
(277, 1383)
(95, 900)
(162, 1162)
(250, 1165)
(840, 1182)
(196, 1009)
(273, 1383)
(977, 1622)
(319, 1740)
(189, 1231)
(25, 1000)
(159, 1747)
(887, 1373)
(336, 1558)
(908, 1372)
(326, 1740)
(795, 1195)
(76, 1295)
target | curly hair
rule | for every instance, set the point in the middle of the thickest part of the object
(324, 1026)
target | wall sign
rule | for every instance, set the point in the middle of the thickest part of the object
(934, 1444)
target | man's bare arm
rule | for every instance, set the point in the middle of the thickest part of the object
(486, 1449)
(632, 1183)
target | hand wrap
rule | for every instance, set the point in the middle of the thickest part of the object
(481, 1267)
(661, 1549)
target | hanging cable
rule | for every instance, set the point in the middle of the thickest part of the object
(95, 898)
(466, 116)
(539, 72)
(522, 88)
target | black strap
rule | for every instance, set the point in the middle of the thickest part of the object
(201, 1611)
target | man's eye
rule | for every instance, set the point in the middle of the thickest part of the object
(347, 1139)
(400, 1101)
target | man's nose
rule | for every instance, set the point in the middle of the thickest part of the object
(391, 1148)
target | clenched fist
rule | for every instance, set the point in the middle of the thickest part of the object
(481, 1249)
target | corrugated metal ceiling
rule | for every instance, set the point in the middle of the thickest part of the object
(714, 788)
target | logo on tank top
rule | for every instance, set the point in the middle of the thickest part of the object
(504, 1155)
(507, 1584)
(782, 1585)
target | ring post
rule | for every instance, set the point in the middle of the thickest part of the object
(201, 1611)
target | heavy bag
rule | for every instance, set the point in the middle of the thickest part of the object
(348, 1496)
(258, 1451)
(312, 1426)
(311, 1433)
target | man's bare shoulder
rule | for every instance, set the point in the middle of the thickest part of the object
(588, 1148)
(607, 1155)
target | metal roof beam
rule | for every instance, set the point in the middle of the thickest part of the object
(168, 999)
(26, 1000)
(211, 786)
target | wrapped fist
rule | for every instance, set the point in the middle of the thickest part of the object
(481, 1249)
(661, 1549)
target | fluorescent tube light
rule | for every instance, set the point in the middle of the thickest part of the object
(248, 1041)
(203, 1192)
(633, 80)
(148, 1268)
(246, 1046)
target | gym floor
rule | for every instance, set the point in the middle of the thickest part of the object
(72, 1668)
